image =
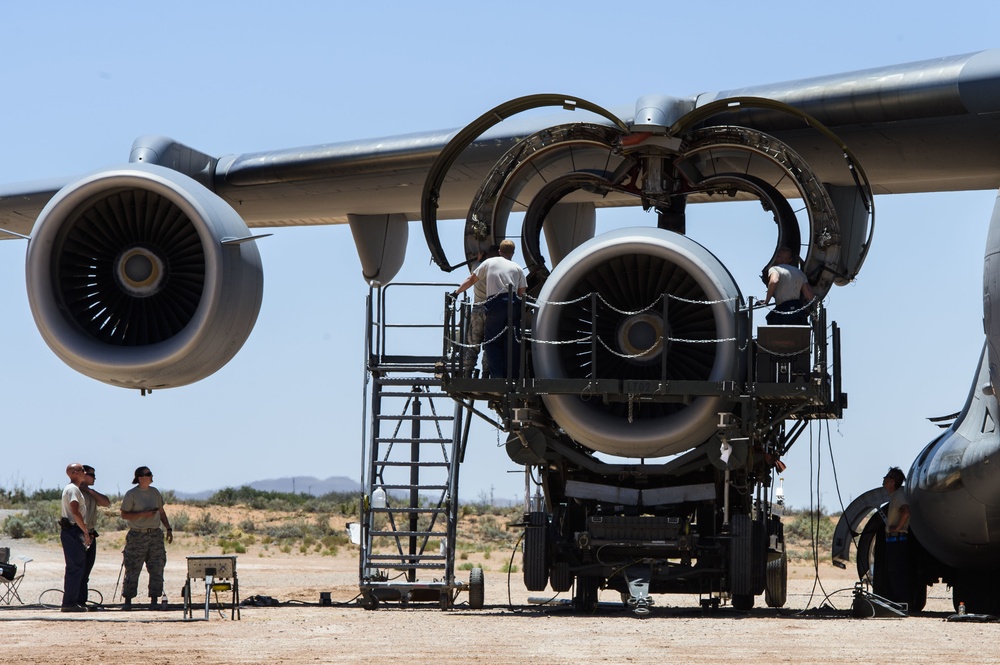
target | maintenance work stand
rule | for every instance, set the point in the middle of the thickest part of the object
(414, 443)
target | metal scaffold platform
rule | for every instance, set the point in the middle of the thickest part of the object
(413, 448)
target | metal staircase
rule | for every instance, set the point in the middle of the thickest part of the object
(412, 453)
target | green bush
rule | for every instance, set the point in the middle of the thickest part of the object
(181, 521)
(40, 520)
(20, 497)
(810, 524)
(14, 527)
(293, 531)
(206, 525)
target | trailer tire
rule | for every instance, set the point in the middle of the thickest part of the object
(560, 578)
(741, 558)
(477, 589)
(585, 596)
(536, 570)
(776, 591)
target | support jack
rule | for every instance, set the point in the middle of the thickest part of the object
(637, 598)
(868, 605)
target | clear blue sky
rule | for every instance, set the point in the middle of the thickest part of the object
(82, 80)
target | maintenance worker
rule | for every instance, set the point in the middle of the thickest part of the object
(502, 276)
(790, 289)
(477, 321)
(142, 508)
(75, 539)
(897, 527)
(94, 500)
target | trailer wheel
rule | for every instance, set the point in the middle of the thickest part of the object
(477, 589)
(536, 573)
(741, 557)
(561, 579)
(368, 600)
(585, 596)
(776, 591)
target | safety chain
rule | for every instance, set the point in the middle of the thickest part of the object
(527, 337)
(626, 355)
(650, 307)
(566, 341)
(789, 312)
(476, 346)
(804, 349)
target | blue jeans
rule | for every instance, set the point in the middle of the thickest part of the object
(76, 560)
(88, 565)
(496, 350)
(779, 316)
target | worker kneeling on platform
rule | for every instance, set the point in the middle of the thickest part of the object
(790, 289)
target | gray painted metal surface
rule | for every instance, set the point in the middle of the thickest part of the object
(917, 127)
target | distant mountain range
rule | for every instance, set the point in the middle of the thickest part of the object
(315, 487)
(295, 485)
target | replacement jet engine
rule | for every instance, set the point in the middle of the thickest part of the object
(647, 410)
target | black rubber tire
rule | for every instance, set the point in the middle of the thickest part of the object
(741, 558)
(536, 569)
(865, 558)
(585, 595)
(776, 591)
(560, 578)
(368, 600)
(477, 589)
(742, 601)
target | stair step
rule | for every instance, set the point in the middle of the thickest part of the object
(397, 557)
(394, 439)
(412, 464)
(413, 566)
(408, 380)
(407, 534)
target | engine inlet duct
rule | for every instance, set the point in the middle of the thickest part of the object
(632, 271)
(129, 281)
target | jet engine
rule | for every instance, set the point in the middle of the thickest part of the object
(665, 309)
(140, 277)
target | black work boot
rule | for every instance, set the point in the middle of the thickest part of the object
(127, 605)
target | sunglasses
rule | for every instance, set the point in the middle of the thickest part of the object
(145, 475)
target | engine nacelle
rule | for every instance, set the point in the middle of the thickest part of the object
(130, 283)
(630, 270)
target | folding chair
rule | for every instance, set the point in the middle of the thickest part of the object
(10, 579)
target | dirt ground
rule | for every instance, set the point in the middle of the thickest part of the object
(507, 630)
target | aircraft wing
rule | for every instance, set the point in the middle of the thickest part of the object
(926, 126)
(145, 275)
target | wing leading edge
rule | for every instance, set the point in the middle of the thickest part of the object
(918, 127)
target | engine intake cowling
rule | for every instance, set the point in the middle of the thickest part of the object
(129, 281)
(631, 271)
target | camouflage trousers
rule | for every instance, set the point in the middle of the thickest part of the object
(473, 338)
(144, 547)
